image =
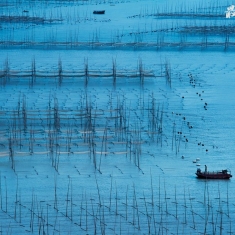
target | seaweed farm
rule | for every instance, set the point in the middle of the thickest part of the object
(105, 118)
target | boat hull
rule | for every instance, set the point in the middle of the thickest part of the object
(99, 12)
(213, 176)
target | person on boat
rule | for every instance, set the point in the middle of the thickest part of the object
(205, 168)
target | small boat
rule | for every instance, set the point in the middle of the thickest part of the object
(99, 12)
(223, 174)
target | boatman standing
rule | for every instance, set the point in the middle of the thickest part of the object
(205, 168)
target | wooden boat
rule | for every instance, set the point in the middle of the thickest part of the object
(99, 12)
(223, 174)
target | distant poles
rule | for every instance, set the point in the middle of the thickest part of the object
(168, 73)
(33, 72)
(60, 72)
(114, 71)
(5, 72)
(141, 71)
(11, 153)
(86, 71)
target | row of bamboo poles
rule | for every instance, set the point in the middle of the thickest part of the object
(33, 75)
(154, 211)
(161, 43)
(87, 129)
